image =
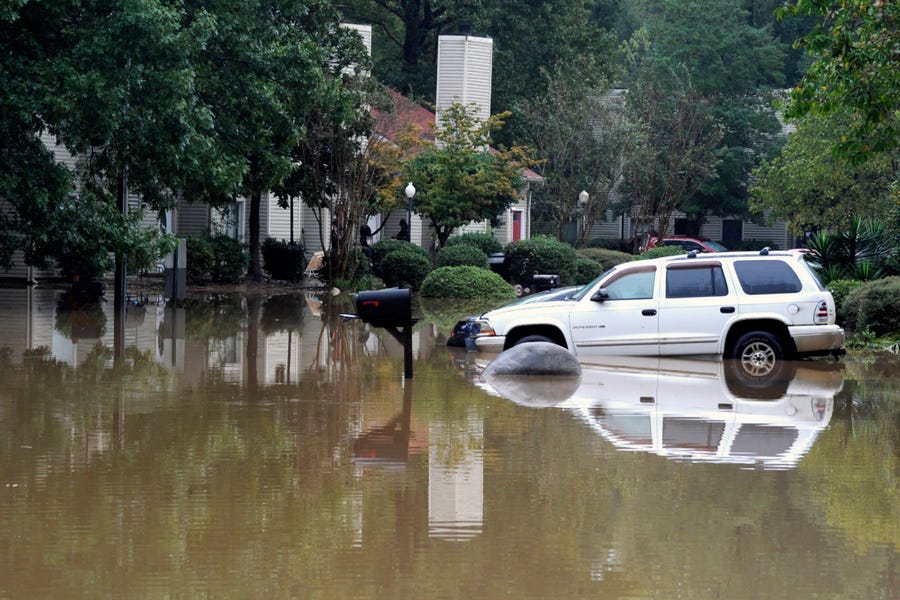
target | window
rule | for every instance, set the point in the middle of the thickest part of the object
(696, 282)
(767, 277)
(632, 285)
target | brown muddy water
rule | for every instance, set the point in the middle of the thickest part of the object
(255, 447)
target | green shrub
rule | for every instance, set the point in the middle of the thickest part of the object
(543, 255)
(405, 267)
(484, 241)
(752, 245)
(283, 260)
(840, 288)
(873, 306)
(217, 258)
(358, 268)
(607, 258)
(586, 270)
(385, 247)
(467, 282)
(461, 255)
(661, 251)
(611, 244)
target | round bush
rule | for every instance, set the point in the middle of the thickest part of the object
(405, 267)
(607, 258)
(381, 249)
(484, 241)
(586, 270)
(461, 255)
(872, 306)
(543, 255)
(840, 288)
(467, 282)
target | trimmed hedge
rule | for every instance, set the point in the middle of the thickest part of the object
(283, 260)
(483, 241)
(840, 289)
(381, 249)
(217, 258)
(586, 270)
(467, 282)
(660, 251)
(405, 267)
(541, 254)
(461, 255)
(607, 258)
(873, 306)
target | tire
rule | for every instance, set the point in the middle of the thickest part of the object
(758, 352)
(534, 338)
(771, 386)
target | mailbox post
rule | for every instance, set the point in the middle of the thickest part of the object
(392, 310)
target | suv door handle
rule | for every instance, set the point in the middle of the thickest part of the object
(648, 312)
(726, 309)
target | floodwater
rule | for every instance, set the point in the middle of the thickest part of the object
(260, 447)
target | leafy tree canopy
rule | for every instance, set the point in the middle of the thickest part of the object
(854, 43)
(459, 179)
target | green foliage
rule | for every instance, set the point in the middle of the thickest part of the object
(660, 251)
(606, 258)
(215, 258)
(283, 260)
(461, 181)
(808, 185)
(485, 241)
(541, 254)
(855, 69)
(460, 255)
(381, 249)
(753, 245)
(467, 282)
(586, 270)
(873, 306)
(863, 250)
(840, 289)
(405, 267)
(611, 244)
(357, 268)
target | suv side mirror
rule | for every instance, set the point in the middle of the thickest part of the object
(600, 295)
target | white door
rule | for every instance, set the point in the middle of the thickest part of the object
(696, 305)
(625, 322)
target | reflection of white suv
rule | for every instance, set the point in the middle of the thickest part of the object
(757, 307)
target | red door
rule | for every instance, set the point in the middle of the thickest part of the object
(516, 225)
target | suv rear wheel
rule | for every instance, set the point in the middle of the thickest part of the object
(758, 352)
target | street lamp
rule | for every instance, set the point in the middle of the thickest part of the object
(583, 198)
(410, 192)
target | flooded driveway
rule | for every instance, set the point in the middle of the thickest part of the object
(259, 446)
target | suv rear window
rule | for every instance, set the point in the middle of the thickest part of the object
(767, 277)
(695, 282)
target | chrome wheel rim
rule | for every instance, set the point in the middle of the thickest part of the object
(758, 359)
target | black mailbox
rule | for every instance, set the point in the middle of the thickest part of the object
(384, 308)
(499, 264)
(544, 282)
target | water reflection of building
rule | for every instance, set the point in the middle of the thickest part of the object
(456, 478)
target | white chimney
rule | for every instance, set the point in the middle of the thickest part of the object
(464, 73)
(365, 32)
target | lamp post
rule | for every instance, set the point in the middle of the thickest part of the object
(583, 198)
(410, 192)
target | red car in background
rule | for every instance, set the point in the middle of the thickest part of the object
(687, 243)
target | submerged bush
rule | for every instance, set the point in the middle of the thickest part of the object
(873, 307)
(467, 282)
(216, 258)
(541, 254)
(483, 241)
(283, 260)
(405, 267)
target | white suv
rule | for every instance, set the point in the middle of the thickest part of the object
(756, 307)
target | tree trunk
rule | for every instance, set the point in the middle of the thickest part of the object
(254, 270)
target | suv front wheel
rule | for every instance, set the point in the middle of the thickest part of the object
(758, 352)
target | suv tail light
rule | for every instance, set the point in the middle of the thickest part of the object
(821, 317)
